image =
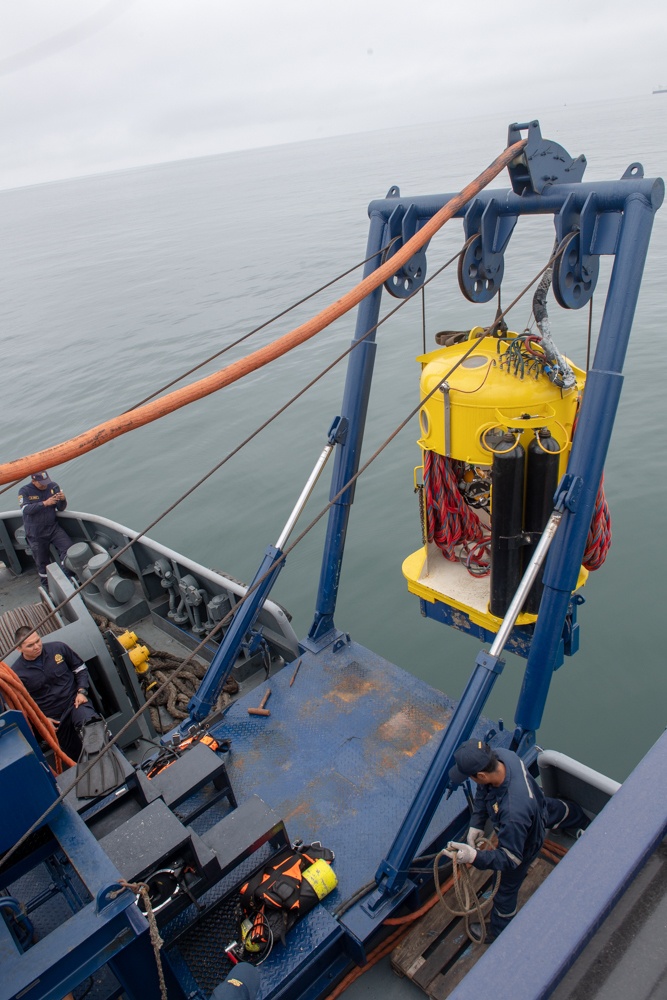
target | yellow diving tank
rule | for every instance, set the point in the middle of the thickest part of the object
(321, 876)
(494, 421)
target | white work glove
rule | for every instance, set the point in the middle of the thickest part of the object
(473, 836)
(464, 853)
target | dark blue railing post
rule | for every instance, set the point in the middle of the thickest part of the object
(589, 450)
(393, 870)
(355, 406)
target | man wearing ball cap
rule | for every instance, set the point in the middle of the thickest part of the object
(520, 813)
(40, 501)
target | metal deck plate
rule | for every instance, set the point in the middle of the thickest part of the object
(339, 759)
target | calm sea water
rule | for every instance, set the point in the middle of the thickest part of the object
(115, 284)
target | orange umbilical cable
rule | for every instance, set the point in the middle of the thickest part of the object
(409, 917)
(16, 696)
(389, 943)
(110, 429)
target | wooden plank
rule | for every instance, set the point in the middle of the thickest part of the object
(441, 985)
(429, 946)
(428, 929)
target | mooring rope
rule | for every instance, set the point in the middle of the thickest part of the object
(466, 895)
(141, 889)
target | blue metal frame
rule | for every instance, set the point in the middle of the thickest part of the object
(613, 218)
(634, 199)
(108, 928)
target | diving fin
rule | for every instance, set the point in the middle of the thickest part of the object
(106, 772)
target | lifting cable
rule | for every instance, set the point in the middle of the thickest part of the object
(164, 688)
(135, 537)
(110, 429)
(246, 336)
(290, 548)
(262, 326)
(154, 696)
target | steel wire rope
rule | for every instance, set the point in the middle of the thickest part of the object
(181, 669)
(243, 443)
(162, 687)
(96, 436)
(262, 326)
(589, 335)
(290, 548)
(245, 337)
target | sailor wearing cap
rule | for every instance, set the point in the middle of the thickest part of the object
(40, 500)
(520, 813)
(242, 983)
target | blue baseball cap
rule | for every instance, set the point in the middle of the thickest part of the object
(41, 477)
(471, 757)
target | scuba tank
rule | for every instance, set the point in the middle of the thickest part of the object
(507, 482)
(541, 483)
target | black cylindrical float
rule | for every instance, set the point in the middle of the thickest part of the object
(507, 479)
(541, 483)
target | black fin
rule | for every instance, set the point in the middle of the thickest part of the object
(106, 772)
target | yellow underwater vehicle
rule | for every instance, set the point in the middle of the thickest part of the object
(497, 422)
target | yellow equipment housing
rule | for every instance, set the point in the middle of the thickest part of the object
(477, 396)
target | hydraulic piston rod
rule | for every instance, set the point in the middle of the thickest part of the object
(201, 703)
(392, 872)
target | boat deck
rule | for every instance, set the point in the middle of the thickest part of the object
(340, 758)
(23, 591)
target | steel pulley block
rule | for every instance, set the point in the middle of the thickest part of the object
(575, 276)
(410, 277)
(403, 224)
(480, 281)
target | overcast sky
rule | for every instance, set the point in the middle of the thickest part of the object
(96, 85)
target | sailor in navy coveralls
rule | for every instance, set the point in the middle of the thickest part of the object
(40, 501)
(57, 679)
(520, 813)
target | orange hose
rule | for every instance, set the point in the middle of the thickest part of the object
(110, 429)
(17, 697)
(409, 917)
(389, 943)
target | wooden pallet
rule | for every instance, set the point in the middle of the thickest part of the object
(437, 952)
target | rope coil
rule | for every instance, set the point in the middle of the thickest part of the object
(450, 522)
(466, 896)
